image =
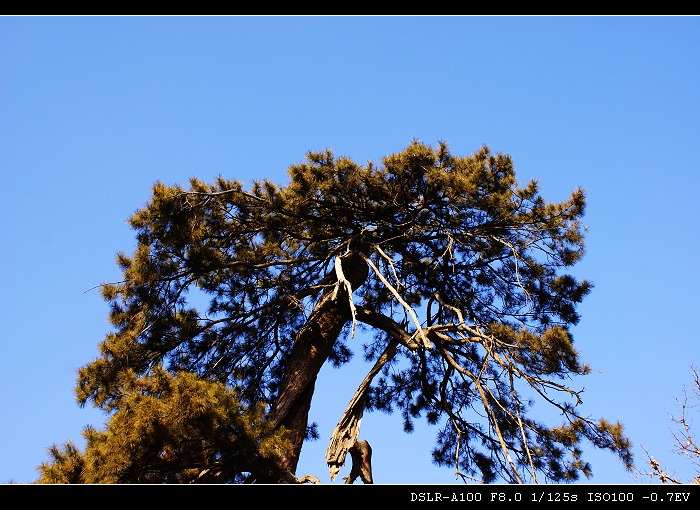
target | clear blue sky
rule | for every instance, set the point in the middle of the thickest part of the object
(94, 110)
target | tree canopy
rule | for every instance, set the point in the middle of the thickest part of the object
(443, 271)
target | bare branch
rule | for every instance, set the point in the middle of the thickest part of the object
(407, 307)
(388, 325)
(487, 407)
(344, 281)
(391, 264)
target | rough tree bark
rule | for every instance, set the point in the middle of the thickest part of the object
(312, 346)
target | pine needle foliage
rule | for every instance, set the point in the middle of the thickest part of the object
(171, 428)
(454, 273)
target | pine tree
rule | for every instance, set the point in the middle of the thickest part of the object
(234, 299)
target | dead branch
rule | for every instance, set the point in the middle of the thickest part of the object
(346, 432)
(361, 453)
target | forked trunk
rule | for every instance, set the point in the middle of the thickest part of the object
(311, 349)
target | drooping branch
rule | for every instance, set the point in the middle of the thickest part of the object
(521, 427)
(484, 395)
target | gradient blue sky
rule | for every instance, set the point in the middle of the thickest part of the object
(94, 110)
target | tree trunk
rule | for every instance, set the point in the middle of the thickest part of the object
(311, 349)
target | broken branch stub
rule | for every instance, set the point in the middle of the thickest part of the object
(361, 453)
